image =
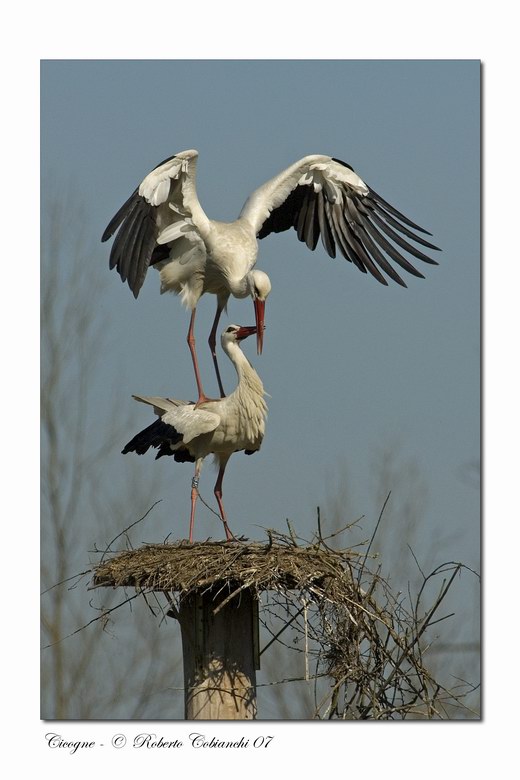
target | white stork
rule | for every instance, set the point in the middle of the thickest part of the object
(163, 224)
(191, 431)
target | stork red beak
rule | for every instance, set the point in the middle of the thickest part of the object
(244, 331)
(259, 316)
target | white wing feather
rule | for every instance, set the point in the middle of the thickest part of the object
(155, 188)
(189, 421)
(317, 170)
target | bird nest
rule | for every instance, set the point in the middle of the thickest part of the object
(187, 568)
(339, 612)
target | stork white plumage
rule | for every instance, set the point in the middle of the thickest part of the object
(163, 224)
(191, 431)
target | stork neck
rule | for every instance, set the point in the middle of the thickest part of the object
(249, 383)
(239, 360)
(240, 288)
(247, 400)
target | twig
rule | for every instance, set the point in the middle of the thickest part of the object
(107, 549)
(68, 579)
(362, 567)
(104, 614)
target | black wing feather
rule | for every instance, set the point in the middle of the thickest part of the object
(368, 207)
(332, 220)
(119, 217)
(354, 250)
(301, 217)
(160, 253)
(363, 256)
(283, 217)
(345, 165)
(378, 256)
(396, 213)
(358, 229)
(125, 241)
(155, 435)
(312, 226)
(327, 238)
(136, 238)
(390, 250)
(342, 230)
(134, 243)
(402, 243)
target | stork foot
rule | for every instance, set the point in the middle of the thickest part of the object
(203, 399)
(229, 536)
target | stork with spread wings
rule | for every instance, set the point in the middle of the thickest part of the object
(163, 225)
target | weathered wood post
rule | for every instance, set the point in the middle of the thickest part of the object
(212, 590)
(220, 653)
(327, 594)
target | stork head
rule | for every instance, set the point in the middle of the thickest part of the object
(236, 333)
(260, 287)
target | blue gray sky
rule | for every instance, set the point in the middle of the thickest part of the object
(352, 367)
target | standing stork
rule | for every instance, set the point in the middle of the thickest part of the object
(163, 224)
(191, 431)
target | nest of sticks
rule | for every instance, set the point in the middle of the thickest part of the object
(342, 615)
(279, 565)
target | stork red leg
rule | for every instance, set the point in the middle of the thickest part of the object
(218, 496)
(194, 496)
(191, 344)
(212, 341)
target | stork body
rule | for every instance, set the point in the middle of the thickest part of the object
(163, 224)
(191, 432)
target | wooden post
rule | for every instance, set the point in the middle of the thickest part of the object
(220, 653)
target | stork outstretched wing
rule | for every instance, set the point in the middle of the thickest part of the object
(321, 196)
(163, 208)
